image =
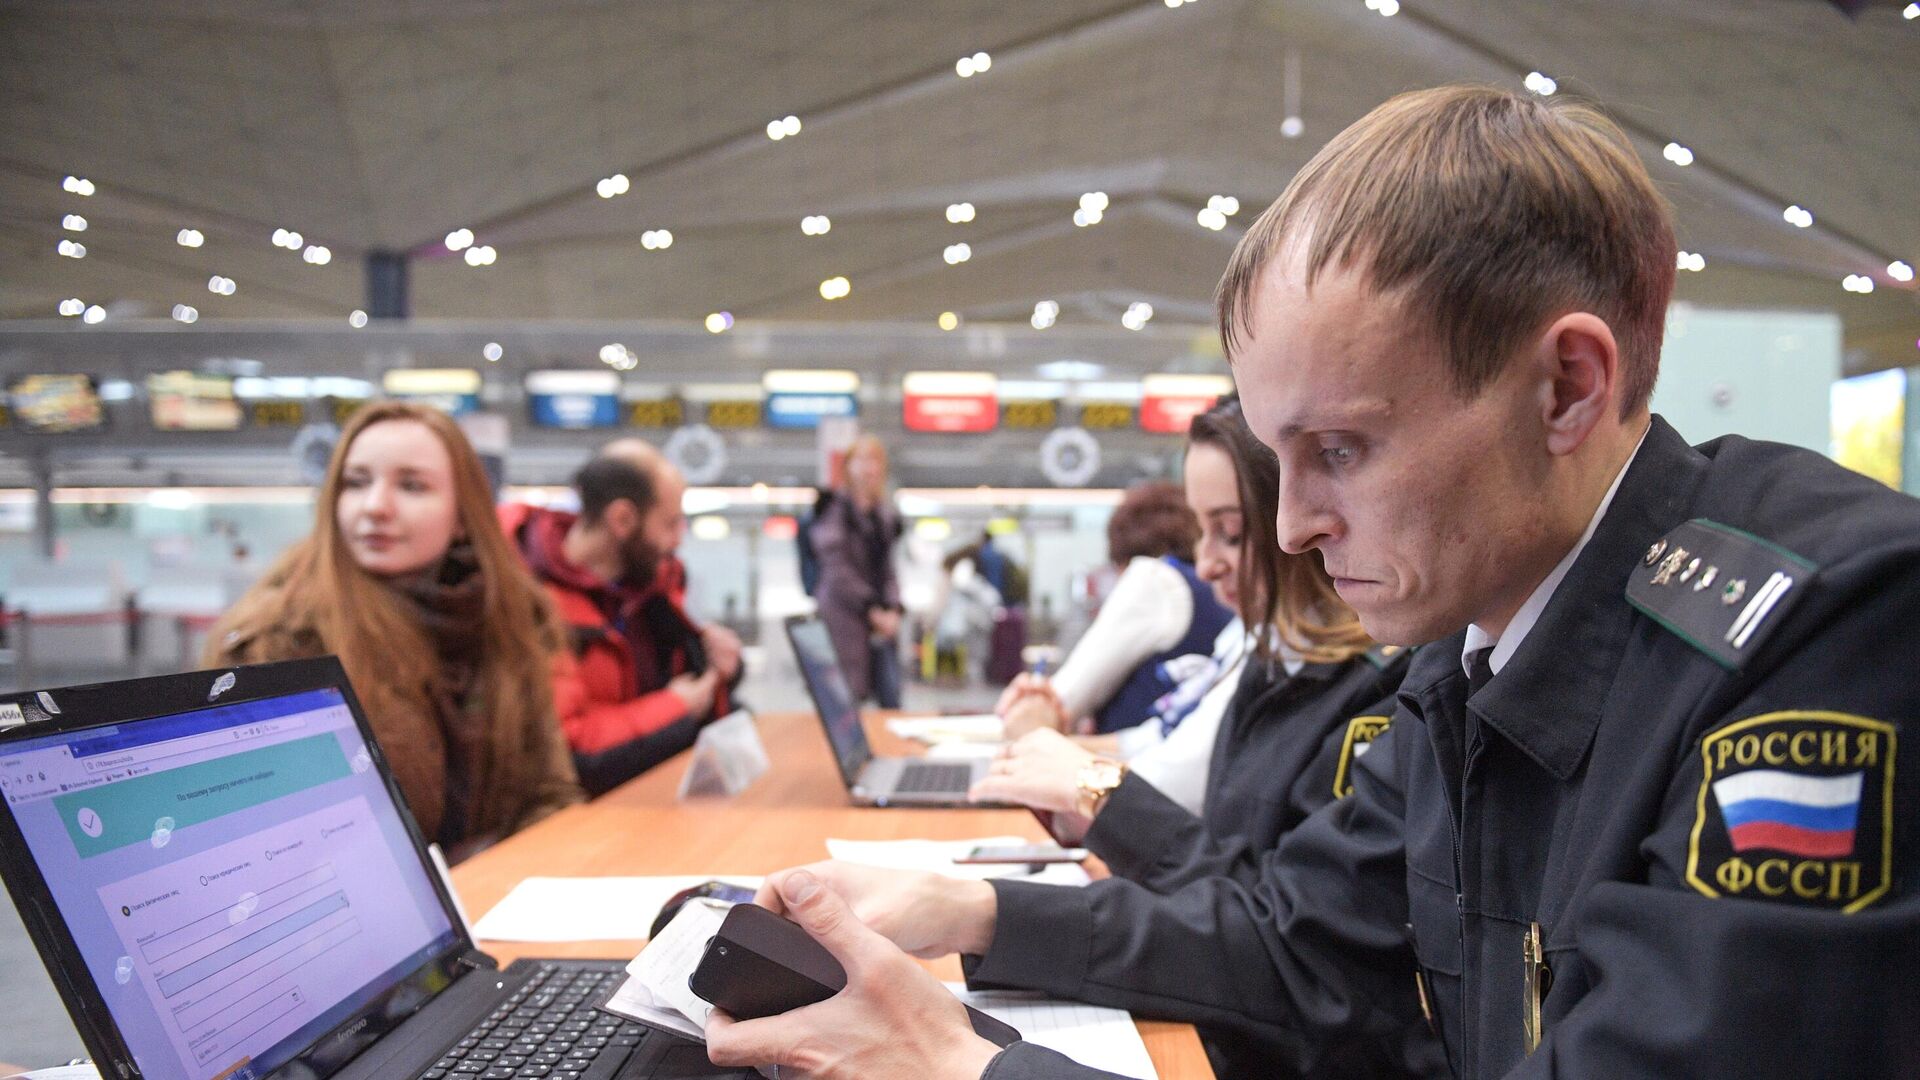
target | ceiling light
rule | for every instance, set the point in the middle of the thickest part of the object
(656, 239)
(948, 320)
(1084, 217)
(612, 354)
(1677, 154)
(791, 125)
(963, 67)
(1797, 217)
(72, 307)
(459, 239)
(79, 185)
(1292, 127)
(1387, 8)
(815, 225)
(1899, 271)
(1137, 315)
(185, 313)
(1225, 204)
(74, 223)
(834, 288)
(783, 127)
(192, 238)
(94, 315)
(957, 253)
(317, 255)
(1094, 202)
(73, 249)
(222, 286)
(357, 320)
(481, 255)
(1045, 313)
(1857, 283)
(617, 184)
(1691, 260)
(492, 351)
(288, 239)
(1911, 11)
(1540, 84)
(1212, 219)
(719, 322)
(1175, 3)
(960, 213)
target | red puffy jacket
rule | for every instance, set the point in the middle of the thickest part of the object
(615, 690)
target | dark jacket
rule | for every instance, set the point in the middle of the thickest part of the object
(1283, 749)
(855, 550)
(1632, 782)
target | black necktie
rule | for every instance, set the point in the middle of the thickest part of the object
(1479, 672)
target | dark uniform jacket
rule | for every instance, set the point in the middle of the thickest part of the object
(1279, 755)
(1285, 747)
(1690, 781)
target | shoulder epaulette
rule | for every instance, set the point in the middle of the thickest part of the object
(1719, 589)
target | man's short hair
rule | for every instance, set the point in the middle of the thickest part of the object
(606, 480)
(1487, 214)
(1152, 520)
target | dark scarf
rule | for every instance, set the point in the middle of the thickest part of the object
(449, 602)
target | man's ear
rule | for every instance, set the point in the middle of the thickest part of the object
(1580, 364)
(621, 519)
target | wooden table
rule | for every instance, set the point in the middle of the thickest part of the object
(783, 820)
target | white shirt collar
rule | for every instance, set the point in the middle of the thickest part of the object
(1505, 645)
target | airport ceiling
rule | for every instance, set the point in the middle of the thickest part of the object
(383, 125)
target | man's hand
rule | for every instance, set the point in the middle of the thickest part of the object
(1041, 770)
(723, 650)
(893, 1019)
(928, 915)
(696, 691)
(885, 622)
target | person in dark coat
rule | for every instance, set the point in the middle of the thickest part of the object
(1309, 698)
(858, 591)
(1642, 809)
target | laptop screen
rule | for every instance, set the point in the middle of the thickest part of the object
(237, 878)
(813, 648)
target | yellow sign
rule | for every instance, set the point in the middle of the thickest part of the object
(733, 414)
(344, 408)
(663, 413)
(1106, 416)
(1030, 415)
(279, 413)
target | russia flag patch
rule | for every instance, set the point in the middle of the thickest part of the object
(1810, 816)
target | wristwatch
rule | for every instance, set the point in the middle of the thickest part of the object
(1097, 780)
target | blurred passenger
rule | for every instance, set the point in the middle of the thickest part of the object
(1159, 610)
(858, 592)
(407, 578)
(646, 677)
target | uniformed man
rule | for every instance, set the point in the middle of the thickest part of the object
(1647, 808)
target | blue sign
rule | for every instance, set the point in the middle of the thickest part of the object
(804, 411)
(574, 411)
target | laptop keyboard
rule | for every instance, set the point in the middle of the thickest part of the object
(548, 1028)
(921, 779)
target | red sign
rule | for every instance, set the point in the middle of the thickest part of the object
(950, 402)
(1172, 415)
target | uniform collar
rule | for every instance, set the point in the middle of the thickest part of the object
(1524, 619)
(1549, 699)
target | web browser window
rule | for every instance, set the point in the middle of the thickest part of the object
(237, 878)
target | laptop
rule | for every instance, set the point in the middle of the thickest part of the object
(870, 780)
(225, 884)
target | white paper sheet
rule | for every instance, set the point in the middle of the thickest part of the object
(1091, 1035)
(976, 727)
(936, 856)
(587, 909)
(656, 990)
